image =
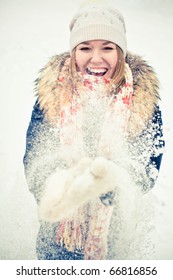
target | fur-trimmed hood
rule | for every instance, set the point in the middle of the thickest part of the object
(145, 84)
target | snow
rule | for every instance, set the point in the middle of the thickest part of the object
(31, 32)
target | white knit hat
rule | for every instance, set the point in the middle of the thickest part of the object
(98, 23)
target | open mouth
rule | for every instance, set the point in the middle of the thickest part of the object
(99, 72)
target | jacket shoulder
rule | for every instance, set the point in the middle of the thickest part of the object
(144, 75)
(46, 84)
(146, 91)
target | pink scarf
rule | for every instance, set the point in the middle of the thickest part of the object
(87, 231)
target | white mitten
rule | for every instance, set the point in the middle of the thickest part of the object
(55, 196)
(108, 174)
(67, 190)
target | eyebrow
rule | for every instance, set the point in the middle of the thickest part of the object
(105, 43)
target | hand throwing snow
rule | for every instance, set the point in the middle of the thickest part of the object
(67, 190)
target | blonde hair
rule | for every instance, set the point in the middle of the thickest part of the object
(118, 76)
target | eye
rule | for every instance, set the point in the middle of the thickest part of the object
(85, 49)
(108, 48)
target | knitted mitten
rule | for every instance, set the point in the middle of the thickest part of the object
(67, 190)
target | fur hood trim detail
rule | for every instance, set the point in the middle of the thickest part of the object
(145, 86)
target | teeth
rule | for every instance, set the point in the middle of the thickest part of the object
(96, 71)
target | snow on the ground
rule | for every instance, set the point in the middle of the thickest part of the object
(31, 32)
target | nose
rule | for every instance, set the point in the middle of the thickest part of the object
(96, 57)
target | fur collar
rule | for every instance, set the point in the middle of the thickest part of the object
(145, 83)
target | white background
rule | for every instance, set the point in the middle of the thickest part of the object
(30, 33)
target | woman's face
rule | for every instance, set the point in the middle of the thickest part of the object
(98, 58)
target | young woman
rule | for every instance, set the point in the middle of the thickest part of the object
(95, 133)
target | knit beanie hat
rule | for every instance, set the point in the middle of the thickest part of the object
(96, 22)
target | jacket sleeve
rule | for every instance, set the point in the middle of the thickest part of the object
(150, 151)
(159, 145)
(146, 153)
(159, 142)
(39, 159)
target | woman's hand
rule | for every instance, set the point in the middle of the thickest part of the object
(67, 190)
